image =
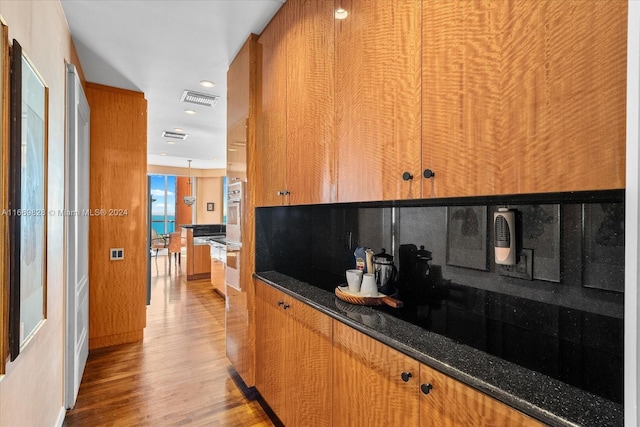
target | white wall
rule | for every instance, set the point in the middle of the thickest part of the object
(632, 214)
(208, 190)
(31, 392)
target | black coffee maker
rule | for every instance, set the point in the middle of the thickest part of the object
(414, 265)
(415, 275)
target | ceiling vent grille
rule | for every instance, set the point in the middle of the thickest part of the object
(199, 98)
(175, 135)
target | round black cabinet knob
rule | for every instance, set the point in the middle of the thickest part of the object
(428, 173)
(406, 376)
(426, 388)
(286, 306)
(280, 303)
(407, 176)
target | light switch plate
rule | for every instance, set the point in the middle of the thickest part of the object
(522, 270)
(116, 254)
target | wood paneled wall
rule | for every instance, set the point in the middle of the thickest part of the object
(183, 212)
(240, 313)
(117, 310)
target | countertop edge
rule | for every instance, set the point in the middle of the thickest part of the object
(546, 399)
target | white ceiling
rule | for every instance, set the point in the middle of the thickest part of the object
(161, 48)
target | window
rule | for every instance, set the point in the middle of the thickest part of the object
(163, 203)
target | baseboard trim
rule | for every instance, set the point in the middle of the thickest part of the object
(61, 415)
(108, 341)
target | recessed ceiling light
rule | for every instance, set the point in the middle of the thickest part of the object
(207, 83)
(340, 13)
(190, 111)
(170, 142)
(178, 129)
(163, 154)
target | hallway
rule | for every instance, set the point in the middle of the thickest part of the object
(178, 375)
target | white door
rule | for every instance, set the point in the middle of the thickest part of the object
(76, 237)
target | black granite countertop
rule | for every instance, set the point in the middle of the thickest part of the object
(200, 230)
(540, 396)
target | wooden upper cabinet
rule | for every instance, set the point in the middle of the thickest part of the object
(310, 106)
(563, 117)
(271, 147)
(523, 97)
(461, 97)
(377, 100)
(450, 403)
(296, 112)
(368, 387)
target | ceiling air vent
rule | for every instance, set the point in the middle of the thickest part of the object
(175, 135)
(199, 98)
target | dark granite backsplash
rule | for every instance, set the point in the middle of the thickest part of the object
(565, 321)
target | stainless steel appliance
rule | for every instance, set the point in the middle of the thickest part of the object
(233, 264)
(235, 194)
(385, 272)
(235, 197)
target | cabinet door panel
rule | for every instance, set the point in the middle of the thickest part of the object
(378, 123)
(563, 74)
(461, 97)
(523, 97)
(309, 352)
(271, 332)
(367, 386)
(271, 152)
(310, 107)
(238, 342)
(451, 403)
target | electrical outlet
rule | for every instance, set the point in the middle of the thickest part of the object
(116, 254)
(523, 269)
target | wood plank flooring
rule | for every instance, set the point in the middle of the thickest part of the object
(178, 375)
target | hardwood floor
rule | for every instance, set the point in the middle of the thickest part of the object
(178, 375)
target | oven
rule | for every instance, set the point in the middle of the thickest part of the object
(235, 193)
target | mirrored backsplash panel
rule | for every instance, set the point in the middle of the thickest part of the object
(558, 311)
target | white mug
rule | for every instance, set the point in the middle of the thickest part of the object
(369, 287)
(354, 278)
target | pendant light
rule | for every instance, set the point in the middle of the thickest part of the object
(189, 200)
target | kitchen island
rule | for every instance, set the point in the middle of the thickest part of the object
(546, 399)
(197, 237)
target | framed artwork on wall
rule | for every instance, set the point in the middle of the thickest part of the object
(603, 246)
(467, 237)
(210, 206)
(27, 204)
(541, 233)
(4, 135)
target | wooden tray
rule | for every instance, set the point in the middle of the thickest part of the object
(342, 292)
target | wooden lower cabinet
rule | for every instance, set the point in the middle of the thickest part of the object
(369, 388)
(293, 358)
(198, 259)
(368, 385)
(239, 343)
(450, 403)
(315, 371)
(218, 276)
